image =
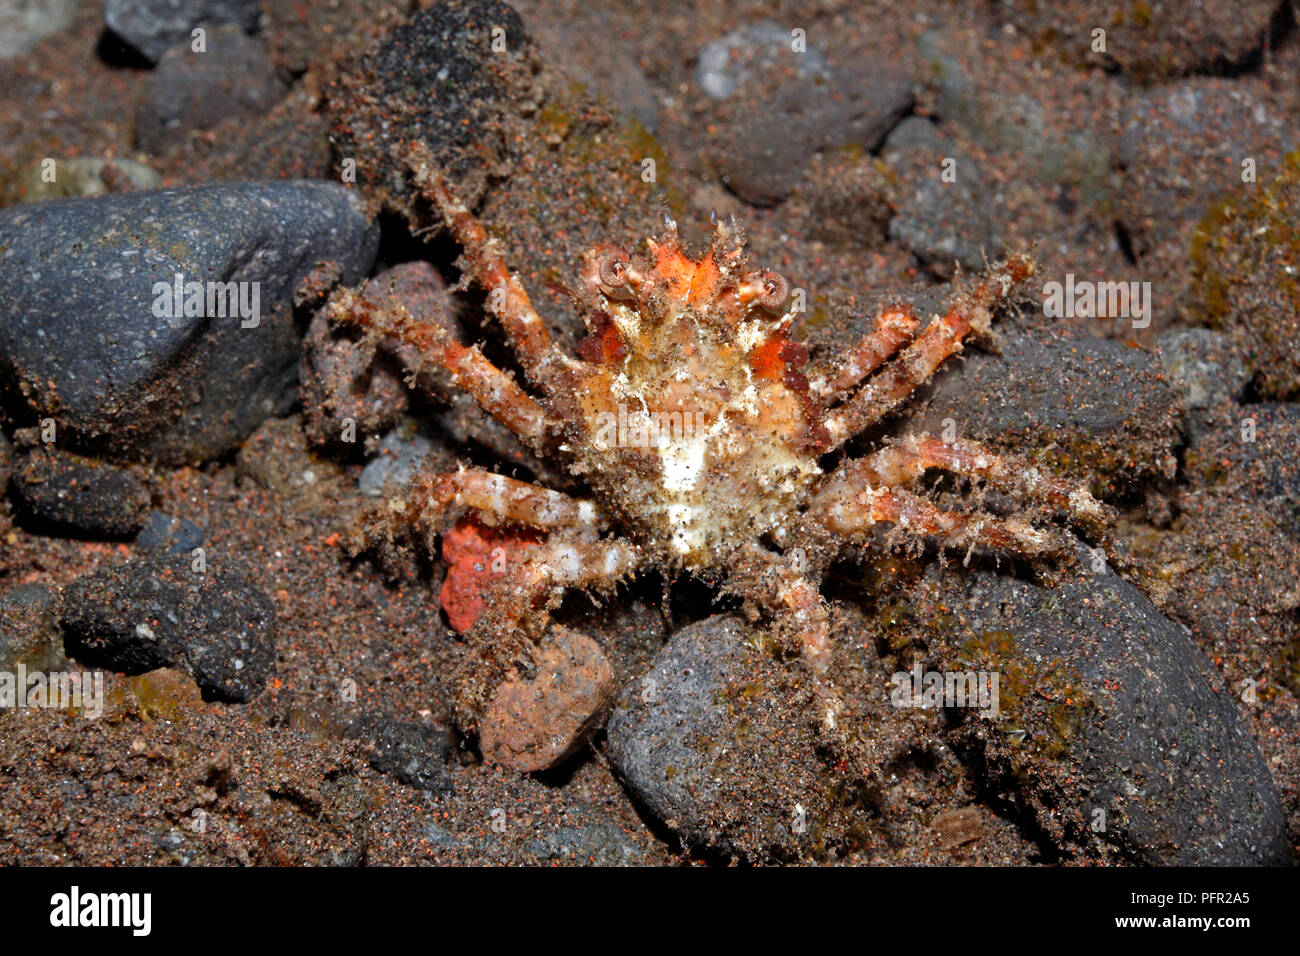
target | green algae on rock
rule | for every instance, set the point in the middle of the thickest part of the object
(1244, 260)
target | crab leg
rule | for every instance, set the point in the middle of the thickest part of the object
(851, 514)
(572, 561)
(498, 394)
(906, 461)
(895, 327)
(781, 588)
(496, 500)
(914, 366)
(545, 364)
(792, 597)
(503, 637)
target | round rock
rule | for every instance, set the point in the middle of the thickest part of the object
(941, 222)
(153, 26)
(94, 334)
(159, 612)
(436, 80)
(1113, 733)
(533, 725)
(79, 494)
(188, 91)
(25, 23)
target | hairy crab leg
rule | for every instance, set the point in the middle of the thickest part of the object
(572, 561)
(498, 394)
(494, 498)
(850, 514)
(514, 661)
(904, 462)
(792, 596)
(780, 587)
(544, 362)
(895, 327)
(914, 366)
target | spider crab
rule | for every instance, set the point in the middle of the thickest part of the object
(699, 426)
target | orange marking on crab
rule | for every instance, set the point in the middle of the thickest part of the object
(765, 358)
(680, 273)
(704, 284)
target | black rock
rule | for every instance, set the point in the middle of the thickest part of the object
(1197, 36)
(1066, 148)
(716, 740)
(414, 753)
(29, 629)
(439, 838)
(942, 222)
(159, 612)
(437, 81)
(26, 23)
(770, 143)
(1113, 734)
(79, 494)
(653, 729)
(1180, 149)
(85, 331)
(154, 26)
(399, 457)
(1093, 408)
(595, 844)
(1204, 369)
(188, 91)
(728, 63)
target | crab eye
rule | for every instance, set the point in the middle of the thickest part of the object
(775, 291)
(614, 274)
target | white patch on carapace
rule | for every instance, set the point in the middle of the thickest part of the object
(750, 334)
(687, 536)
(748, 401)
(566, 564)
(556, 509)
(683, 456)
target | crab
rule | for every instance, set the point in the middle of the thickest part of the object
(708, 442)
